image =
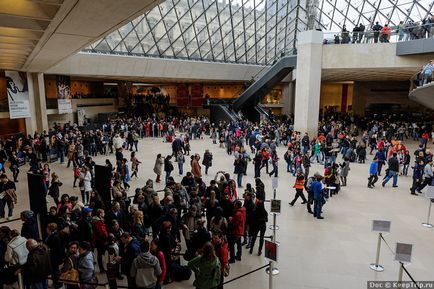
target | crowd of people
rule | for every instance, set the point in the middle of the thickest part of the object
(382, 33)
(140, 237)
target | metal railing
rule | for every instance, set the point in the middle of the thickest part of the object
(396, 35)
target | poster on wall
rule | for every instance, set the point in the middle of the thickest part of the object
(64, 103)
(18, 94)
(81, 116)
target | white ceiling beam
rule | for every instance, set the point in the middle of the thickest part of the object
(20, 33)
(23, 23)
(28, 9)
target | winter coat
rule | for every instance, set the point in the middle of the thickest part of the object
(16, 251)
(237, 222)
(145, 270)
(207, 159)
(207, 272)
(158, 167)
(38, 265)
(86, 267)
(345, 168)
(54, 189)
(195, 169)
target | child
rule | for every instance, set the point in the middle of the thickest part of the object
(76, 175)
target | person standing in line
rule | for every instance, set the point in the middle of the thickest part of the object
(316, 187)
(145, 268)
(299, 186)
(221, 251)
(259, 225)
(57, 252)
(38, 266)
(158, 167)
(236, 231)
(417, 176)
(207, 268)
(86, 265)
(207, 160)
(393, 168)
(373, 173)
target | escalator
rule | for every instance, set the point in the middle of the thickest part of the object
(223, 112)
(423, 95)
(253, 95)
(262, 112)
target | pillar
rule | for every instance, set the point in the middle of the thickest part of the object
(288, 97)
(38, 107)
(359, 98)
(308, 82)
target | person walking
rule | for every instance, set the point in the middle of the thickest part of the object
(345, 168)
(393, 168)
(373, 173)
(8, 196)
(207, 268)
(180, 159)
(239, 165)
(299, 186)
(428, 176)
(207, 160)
(417, 176)
(158, 167)
(168, 167)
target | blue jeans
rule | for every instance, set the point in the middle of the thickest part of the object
(167, 176)
(181, 168)
(39, 285)
(206, 170)
(394, 175)
(405, 169)
(240, 180)
(3, 203)
(305, 149)
(317, 205)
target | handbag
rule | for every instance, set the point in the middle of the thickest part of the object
(70, 275)
(226, 270)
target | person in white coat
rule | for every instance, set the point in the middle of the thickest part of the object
(85, 184)
(16, 251)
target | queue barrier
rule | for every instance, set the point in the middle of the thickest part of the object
(231, 280)
(401, 267)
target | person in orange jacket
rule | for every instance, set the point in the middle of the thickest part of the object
(299, 186)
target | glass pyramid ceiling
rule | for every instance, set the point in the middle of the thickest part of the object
(246, 31)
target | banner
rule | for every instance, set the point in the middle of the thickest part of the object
(18, 94)
(64, 103)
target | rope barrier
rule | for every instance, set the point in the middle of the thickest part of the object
(79, 282)
(245, 274)
(9, 221)
(409, 275)
(387, 244)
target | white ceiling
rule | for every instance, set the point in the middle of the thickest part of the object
(35, 35)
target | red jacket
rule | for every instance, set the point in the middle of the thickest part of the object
(221, 252)
(100, 234)
(237, 222)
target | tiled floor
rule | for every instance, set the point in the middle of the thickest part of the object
(330, 253)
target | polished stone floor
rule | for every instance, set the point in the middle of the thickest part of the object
(330, 253)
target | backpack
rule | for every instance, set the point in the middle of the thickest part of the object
(308, 184)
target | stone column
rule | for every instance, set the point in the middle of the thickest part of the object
(288, 97)
(38, 107)
(308, 82)
(31, 124)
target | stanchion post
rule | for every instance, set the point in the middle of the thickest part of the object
(377, 267)
(270, 275)
(428, 224)
(38, 222)
(400, 273)
(20, 281)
